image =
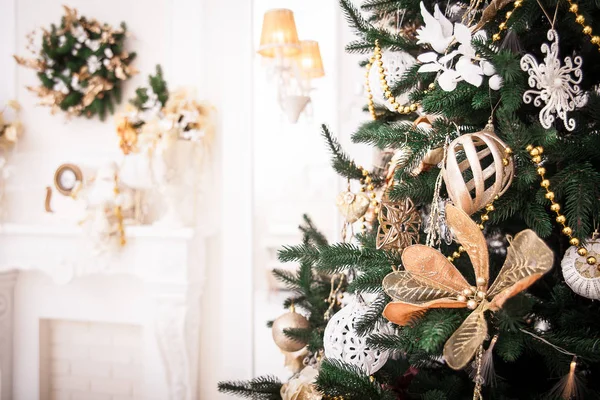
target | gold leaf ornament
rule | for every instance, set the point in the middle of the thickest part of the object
(352, 206)
(431, 281)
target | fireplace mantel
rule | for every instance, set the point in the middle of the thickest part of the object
(169, 261)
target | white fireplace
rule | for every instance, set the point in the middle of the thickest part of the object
(119, 326)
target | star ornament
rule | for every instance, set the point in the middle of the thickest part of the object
(431, 281)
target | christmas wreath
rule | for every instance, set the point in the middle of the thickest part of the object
(80, 64)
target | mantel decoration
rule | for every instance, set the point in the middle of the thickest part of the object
(81, 65)
(165, 137)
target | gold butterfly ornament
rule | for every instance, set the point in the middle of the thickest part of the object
(430, 281)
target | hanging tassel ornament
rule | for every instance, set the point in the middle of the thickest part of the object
(568, 387)
(486, 373)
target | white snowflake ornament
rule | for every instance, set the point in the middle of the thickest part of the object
(555, 85)
(342, 342)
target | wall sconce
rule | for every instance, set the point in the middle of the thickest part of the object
(294, 63)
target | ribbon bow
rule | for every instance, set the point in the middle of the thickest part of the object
(431, 281)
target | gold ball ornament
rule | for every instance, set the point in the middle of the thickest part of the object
(587, 30)
(574, 8)
(580, 269)
(574, 242)
(595, 39)
(290, 320)
(471, 185)
(580, 19)
(471, 304)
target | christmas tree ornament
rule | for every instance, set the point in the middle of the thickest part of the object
(352, 205)
(289, 320)
(439, 33)
(342, 342)
(478, 168)
(554, 84)
(431, 281)
(81, 65)
(582, 276)
(301, 387)
(399, 223)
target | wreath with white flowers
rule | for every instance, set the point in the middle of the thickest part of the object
(81, 65)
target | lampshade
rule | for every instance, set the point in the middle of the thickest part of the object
(279, 35)
(309, 60)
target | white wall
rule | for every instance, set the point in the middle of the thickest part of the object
(267, 172)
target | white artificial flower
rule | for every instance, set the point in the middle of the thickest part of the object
(48, 73)
(79, 33)
(93, 64)
(93, 45)
(106, 62)
(74, 52)
(437, 31)
(75, 84)
(78, 45)
(108, 53)
(60, 86)
(495, 82)
(193, 135)
(487, 68)
(62, 40)
(469, 72)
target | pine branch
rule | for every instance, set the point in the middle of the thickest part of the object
(261, 388)
(340, 379)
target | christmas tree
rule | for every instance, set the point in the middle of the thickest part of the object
(475, 263)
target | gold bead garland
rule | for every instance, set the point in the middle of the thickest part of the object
(119, 212)
(375, 60)
(536, 157)
(580, 19)
(497, 36)
(367, 186)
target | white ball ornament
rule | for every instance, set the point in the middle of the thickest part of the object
(395, 64)
(342, 342)
(583, 278)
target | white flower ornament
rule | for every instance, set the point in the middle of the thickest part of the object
(440, 34)
(555, 85)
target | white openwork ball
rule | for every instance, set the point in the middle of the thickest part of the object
(583, 278)
(341, 341)
(395, 63)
